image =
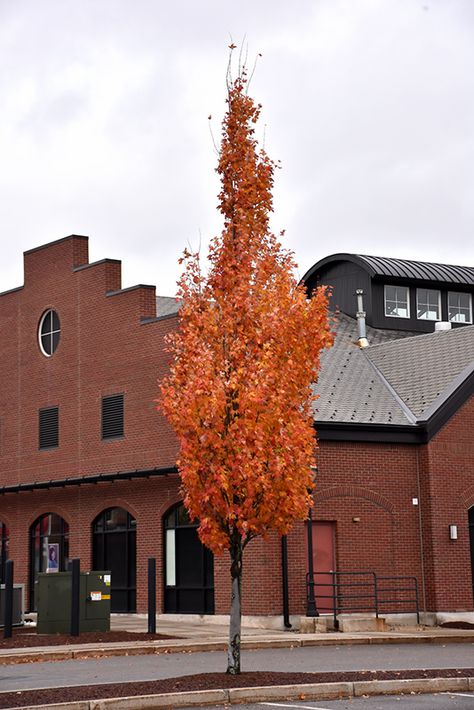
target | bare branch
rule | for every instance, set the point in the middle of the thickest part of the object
(212, 136)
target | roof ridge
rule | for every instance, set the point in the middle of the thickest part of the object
(401, 403)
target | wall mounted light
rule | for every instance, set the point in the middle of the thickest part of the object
(453, 532)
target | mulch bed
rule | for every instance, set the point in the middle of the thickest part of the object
(208, 681)
(27, 638)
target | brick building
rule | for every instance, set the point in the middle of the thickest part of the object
(87, 466)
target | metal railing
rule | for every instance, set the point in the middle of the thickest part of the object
(362, 591)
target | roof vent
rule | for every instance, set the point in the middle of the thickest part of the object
(360, 315)
(442, 325)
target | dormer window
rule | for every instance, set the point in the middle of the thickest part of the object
(428, 304)
(397, 304)
(459, 307)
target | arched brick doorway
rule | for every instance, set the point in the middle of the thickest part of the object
(189, 566)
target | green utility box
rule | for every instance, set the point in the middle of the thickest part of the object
(53, 599)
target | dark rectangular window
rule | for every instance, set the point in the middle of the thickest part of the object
(112, 416)
(48, 428)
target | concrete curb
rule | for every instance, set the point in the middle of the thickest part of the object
(137, 648)
(234, 696)
(412, 685)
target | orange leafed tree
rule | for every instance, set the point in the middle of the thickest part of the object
(244, 358)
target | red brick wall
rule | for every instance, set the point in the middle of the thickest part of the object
(374, 484)
(104, 349)
(448, 482)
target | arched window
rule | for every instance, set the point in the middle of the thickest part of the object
(189, 566)
(4, 538)
(49, 548)
(114, 549)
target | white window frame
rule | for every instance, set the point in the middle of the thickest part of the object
(50, 333)
(407, 291)
(436, 290)
(464, 293)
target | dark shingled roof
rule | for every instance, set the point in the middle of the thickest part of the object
(167, 306)
(349, 387)
(422, 368)
(400, 378)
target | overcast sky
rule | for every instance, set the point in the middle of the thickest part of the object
(369, 104)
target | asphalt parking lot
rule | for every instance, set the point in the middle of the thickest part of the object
(440, 701)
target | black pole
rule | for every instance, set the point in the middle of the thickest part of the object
(8, 609)
(75, 594)
(284, 577)
(311, 609)
(151, 595)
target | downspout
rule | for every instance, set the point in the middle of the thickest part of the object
(420, 524)
(284, 577)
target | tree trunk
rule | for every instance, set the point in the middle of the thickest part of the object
(233, 649)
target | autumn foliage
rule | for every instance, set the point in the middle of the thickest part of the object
(244, 358)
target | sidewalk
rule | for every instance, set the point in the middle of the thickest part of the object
(199, 637)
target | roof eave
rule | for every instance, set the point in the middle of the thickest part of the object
(422, 432)
(370, 433)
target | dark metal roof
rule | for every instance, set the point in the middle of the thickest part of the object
(384, 266)
(381, 266)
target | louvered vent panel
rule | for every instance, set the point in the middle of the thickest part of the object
(112, 416)
(48, 428)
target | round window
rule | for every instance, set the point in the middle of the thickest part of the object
(48, 332)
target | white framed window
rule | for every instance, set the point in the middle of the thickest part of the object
(49, 331)
(428, 304)
(397, 301)
(459, 307)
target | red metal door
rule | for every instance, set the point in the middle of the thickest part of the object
(324, 561)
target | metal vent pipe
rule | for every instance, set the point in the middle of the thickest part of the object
(360, 315)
